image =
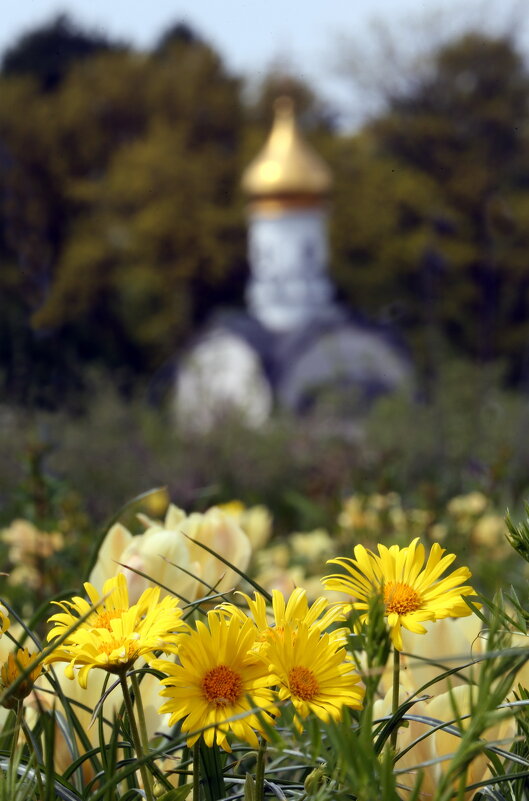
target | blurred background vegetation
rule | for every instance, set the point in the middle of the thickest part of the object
(122, 228)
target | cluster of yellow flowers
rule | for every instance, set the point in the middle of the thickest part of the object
(470, 517)
(235, 655)
(240, 661)
(300, 559)
(412, 591)
(382, 515)
(231, 673)
(227, 666)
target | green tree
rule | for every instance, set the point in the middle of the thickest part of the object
(429, 220)
(463, 125)
(121, 224)
(47, 53)
(158, 238)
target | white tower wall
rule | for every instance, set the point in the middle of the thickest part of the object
(287, 250)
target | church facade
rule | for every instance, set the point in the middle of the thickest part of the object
(293, 347)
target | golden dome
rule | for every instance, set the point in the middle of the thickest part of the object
(286, 166)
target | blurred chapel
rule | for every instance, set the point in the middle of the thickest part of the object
(293, 347)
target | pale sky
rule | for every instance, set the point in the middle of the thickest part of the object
(251, 34)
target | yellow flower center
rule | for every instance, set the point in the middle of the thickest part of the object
(303, 683)
(222, 686)
(120, 651)
(401, 598)
(101, 620)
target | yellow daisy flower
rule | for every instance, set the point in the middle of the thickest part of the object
(116, 636)
(219, 678)
(116, 601)
(411, 590)
(294, 611)
(313, 672)
(16, 664)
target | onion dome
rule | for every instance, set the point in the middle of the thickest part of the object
(286, 167)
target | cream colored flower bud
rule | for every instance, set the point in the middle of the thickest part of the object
(110, 552)
(159, 553)
(473, 503)
(173, 518)
(163, 555)
(169, 554)
(256, 522)
(312, 545)
(352, 513)
(221, 533)
(427, 751)
(490, 531)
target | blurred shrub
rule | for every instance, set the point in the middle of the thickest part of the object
(467, 437)
(469, 434)
(119, 448)
(444, 470)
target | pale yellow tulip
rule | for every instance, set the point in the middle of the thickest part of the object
(519, 640)
(170, 554)
(44, 698)
(440, 745)
(448, 643)
(164, 556)
(159, 553)
(220, 533)
(406, 736)
(312, 546)
(473, 504)
(109, 555)
(255, 521)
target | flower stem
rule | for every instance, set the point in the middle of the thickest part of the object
(196, 771)
(142, 726)
(260, 771)
(145, 774)
(33, 753)
(395, 696)
(14, 742)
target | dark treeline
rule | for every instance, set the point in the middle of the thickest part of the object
(122, 223)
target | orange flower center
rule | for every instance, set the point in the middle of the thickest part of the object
(303, 683)
(222, 686)
(401, 598)
(101, 620)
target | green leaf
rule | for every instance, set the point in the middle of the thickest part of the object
(249, 788)
(177, 793)
(211, 774)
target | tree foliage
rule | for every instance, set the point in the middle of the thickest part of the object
(121, 218)
(122, 224)
(47, 53)
(439, 215)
